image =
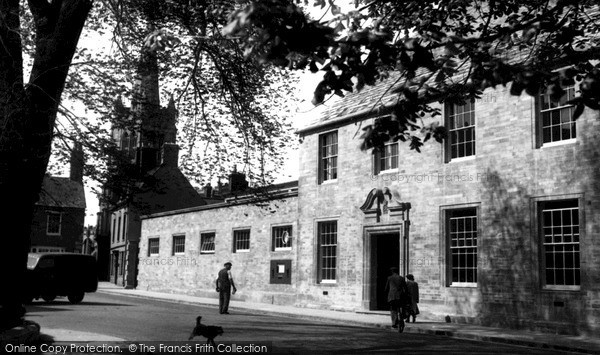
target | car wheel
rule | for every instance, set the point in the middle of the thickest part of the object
(75, 297)
(49, 297)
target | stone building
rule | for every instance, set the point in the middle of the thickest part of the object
(149, 180)
(182, 251)
(499, 225)
(59, 214)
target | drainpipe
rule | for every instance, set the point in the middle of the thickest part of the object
(406, 207)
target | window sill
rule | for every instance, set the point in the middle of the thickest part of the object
(561, 288)
(282, 249)
(53, 234)
(388, 171)
(328, 282)
(461, 159)
(153, 255)
(179, 254)
(463, 285)
(328, 182)
(559, 143)
(242, 251)
(207, 252)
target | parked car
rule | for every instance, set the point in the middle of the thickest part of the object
(60, 274)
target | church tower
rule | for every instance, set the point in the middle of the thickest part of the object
(143, 129)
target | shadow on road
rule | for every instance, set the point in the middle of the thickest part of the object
(60, 306)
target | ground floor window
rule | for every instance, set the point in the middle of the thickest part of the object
(327, 249)
(207, 243)
(153, 246)
(461, 230)
(559, 226)
(281, 238)
(178, 244)
(241, 240)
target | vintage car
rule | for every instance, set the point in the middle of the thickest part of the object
(60, 274)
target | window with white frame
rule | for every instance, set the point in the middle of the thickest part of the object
(207, 243)
(53, 223)
(153, 246)
(387, 157)
(462, 233)
(241, 240)
(328, 152)
(281, 237)
(460, 120)
(555, 118)
(327, 251)
(560, 242)
(178, 244)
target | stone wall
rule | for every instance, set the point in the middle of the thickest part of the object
(505, 180)
(194, 273)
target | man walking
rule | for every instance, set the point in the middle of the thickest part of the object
(224, 285)
(396, 290)
(413, 289)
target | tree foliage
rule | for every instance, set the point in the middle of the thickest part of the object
(436, 50)
(231, 110)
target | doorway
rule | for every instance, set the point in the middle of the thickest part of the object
(385, 253)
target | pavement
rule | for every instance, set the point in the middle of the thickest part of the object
(424, 324)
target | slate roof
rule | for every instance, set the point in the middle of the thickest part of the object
(61, 192)
(272, 192)
(356, 104)
(171, 190)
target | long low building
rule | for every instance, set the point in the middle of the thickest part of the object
(499, 225)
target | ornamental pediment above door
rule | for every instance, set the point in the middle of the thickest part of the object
(383, 205)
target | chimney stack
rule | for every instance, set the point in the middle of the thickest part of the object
(76, 162)
(170, 154)
(237, 181)
(208, 191)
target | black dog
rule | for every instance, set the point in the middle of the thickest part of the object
(210, 332)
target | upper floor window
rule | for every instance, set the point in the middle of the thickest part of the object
(282, 238)
(178, 244)
(207, 243)
(119, 229)
(460, 120)
(241, 240)
(114, 223)
(560, 241)
(153, 246)
(328, 152)
(555, 118)
(53, 223)
(461, 229)
(124, 232)
(387, 157)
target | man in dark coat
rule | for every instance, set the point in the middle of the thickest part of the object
(224, 285)
(413, 289)
(396, 290)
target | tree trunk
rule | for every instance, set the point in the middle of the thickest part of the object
(27, 123)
